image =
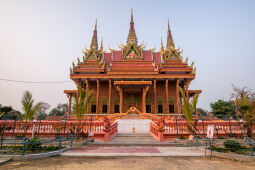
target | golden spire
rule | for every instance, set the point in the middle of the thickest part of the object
(94, 44)
(162, 46)
(170, 42)
(101, 47)
(131, 35)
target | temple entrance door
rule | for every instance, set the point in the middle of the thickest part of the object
(133, 123)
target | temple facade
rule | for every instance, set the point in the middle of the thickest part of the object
(133, 76)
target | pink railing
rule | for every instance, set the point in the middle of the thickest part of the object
(58, 128)
(171, 130)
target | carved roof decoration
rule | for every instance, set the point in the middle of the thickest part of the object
(132, 51)
(170, 53)
(94, 54)
(132, 60)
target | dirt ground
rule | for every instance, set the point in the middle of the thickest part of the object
(190, 163)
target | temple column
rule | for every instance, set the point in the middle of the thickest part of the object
(109, 96)
(155, 95)
(187, 89)
(87, 92)
(145, 89)
(178, 103)
(167, 98)
(121, 97)
(97, 104)
(70, 103)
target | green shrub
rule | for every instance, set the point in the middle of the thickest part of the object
(214, 148)
(34, 144)
(232, 145)
(181, 137)
(221, 137)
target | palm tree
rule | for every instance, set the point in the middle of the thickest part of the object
(80, 107)
(81, 103)
(28, 105)
(241, 96)
(188, 109)
(29, 108)
(245, 106)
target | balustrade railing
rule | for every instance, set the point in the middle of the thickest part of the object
(64, 128)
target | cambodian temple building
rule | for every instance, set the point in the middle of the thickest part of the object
(133, 76)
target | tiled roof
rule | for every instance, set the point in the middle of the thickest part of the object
(147, 55)
(157, 58)
(107, 58)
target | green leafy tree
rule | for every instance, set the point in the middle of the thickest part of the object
(188, 109)
(244, 99)
(60, 110)
(223, 109)
(202, 111)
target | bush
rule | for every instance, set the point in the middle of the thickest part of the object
(232, 145)
(181, 137)
(34, 144)
(214, 148)
(221, 137)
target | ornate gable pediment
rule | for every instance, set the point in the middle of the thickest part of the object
(132, 52)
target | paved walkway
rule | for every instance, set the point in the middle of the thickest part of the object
(4, 159)
(134, 151)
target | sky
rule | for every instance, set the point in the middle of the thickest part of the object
(40, 39)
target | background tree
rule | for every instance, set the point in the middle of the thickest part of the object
(60, 110)
(245, 106)
(202, 111)
(42, 113)
(188, 109)
(223, 109)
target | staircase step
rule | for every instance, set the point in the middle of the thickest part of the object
(112, 144)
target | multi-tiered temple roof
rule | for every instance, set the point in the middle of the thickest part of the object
(133, 66)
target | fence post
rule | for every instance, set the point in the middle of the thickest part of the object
(65, 129)
(231, 135)
(210, 143)
(71, 144)
(251, 149)
(59, 144)
(203, 127)
(24, 146)
(176, 127)
(14, 126)
(39, 127)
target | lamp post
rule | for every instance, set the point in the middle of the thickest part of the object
(33, 131)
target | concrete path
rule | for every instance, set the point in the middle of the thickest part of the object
(4, 159)
(134, 151)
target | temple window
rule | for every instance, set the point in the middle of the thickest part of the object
(104, 108)
(148, 108)
(160, 108)
(116, 108)
(171, 108)
(93, 108)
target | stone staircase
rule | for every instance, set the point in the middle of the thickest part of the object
(123, 139)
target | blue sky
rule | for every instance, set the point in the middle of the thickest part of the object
(40, 40)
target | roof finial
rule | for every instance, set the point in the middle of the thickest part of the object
(132, 36)
(162, 46)
(168, 26)
(102, 48)
(170, 42)
(132, 20)
(95, 25)
(94, 44)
